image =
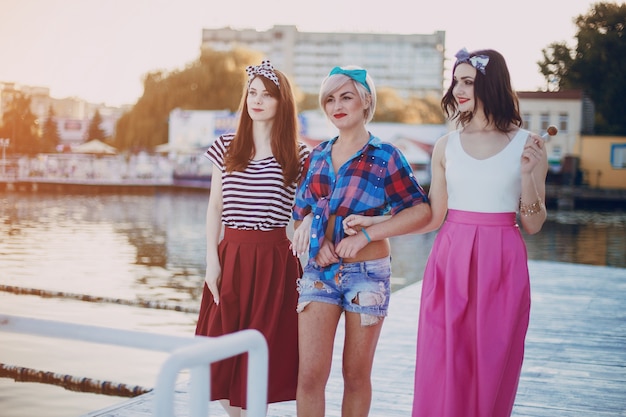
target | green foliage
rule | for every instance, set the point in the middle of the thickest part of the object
(213, 82)
(597, 65)
(19, 125)
(50, 137)
(308, 102)
(392, 108)
(557, 60)
(425, 110)
(389, 106)
(216, 81)
(95, 130)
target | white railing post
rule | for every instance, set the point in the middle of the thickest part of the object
(193, 353)
(199, 389)
(215, 349)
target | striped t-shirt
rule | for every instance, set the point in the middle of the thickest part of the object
(256, 198)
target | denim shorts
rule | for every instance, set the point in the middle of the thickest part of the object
(359, 287)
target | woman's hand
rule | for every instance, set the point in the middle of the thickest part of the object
(534, 153)
(326, 255)
(302, 236)
(351, 245)
(353, 223)
(534, 170)
(213, 277)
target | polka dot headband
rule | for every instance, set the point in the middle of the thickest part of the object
(265, 69)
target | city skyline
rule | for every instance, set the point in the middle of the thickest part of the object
(99, 50)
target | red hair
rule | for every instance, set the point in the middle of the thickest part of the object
(284, 133)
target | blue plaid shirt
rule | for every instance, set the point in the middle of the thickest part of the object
(377, 180)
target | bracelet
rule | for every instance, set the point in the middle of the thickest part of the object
(367, 236)
(530, 209)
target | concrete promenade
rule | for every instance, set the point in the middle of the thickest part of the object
(575, 362)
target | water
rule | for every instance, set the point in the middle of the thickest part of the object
(151, 247)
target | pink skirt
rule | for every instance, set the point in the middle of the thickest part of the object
(474, 315)
(257, 291)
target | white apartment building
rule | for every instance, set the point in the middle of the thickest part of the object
(569, 110)
(410, 64)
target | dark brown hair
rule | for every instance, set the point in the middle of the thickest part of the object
(284, 134)
(493, 89)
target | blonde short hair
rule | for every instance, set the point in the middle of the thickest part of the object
(333, 82)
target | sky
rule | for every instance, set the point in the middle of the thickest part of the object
(100, 50)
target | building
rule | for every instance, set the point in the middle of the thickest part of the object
(603, 161)
(411, 64)
(575, 153)
(564, 109)
(73, 115)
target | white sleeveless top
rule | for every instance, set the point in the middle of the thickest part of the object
(491, 185)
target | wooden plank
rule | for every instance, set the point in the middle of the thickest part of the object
(575, 362)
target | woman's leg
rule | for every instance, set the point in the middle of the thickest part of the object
(317, 324)
(358, 359)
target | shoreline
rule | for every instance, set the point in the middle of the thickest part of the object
(562, 197)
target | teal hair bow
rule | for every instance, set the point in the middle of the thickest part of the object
(478, 61)
(358, 75)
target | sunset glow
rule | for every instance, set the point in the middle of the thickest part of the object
(99, 50)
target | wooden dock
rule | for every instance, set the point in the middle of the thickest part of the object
(575, 363)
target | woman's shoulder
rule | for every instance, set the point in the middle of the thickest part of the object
(222, 141)
(377, 142)
(226, 138)
(443, 140)
(218, 148)
(522, 133)
(302, 147)
(322, 146)
(303, 150)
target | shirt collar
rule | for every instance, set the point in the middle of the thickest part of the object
(373, 141)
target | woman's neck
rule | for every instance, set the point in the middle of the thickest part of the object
(261, 131)
(479, 123)
(357, 136)
(261, 135)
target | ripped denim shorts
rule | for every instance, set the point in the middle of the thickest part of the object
(359, 287)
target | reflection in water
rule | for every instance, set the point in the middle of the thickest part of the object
(145, 247)
(152, 248)
(592, 238)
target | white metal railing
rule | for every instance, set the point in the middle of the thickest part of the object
(193, 353)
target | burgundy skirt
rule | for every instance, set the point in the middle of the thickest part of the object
(257, 291)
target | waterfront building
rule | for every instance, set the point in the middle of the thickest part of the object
(580, 157)
(603, 161)
(72, 114)
(564, 109)
(411, 64)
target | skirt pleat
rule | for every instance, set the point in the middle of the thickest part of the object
(258, 292)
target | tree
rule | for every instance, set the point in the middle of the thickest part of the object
(557, 60)
(392, 108)
(50, 137)
(425, 110)
(19, 124)
(215, 81)
(95, 130)
(597, 65)
(308, 101)
(389, 106)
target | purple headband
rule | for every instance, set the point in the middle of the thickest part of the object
(265, 69)
(478, 61)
